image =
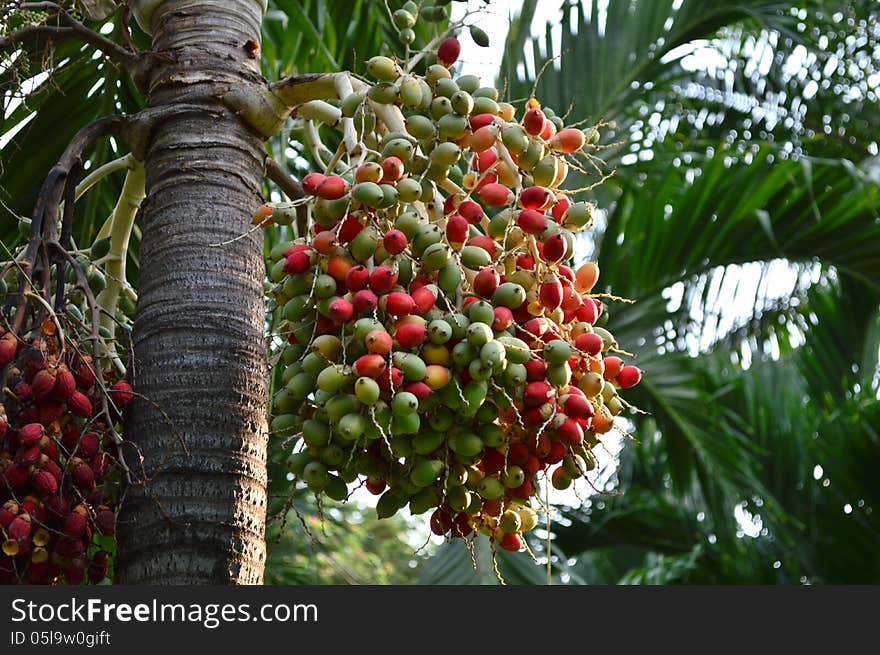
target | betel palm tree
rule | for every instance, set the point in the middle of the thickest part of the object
(199, 352)
(743, 146)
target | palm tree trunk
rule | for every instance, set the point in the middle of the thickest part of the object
(199, 350)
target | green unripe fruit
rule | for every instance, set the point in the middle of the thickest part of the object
(365, 243)
(363, 326)
(545, 171)
(615, 405)
(492, 353)
(389, 196)
(509, 295)
(298, 285)
(297, 463)
(420, 127)
(449, 278)
(481, 312)
(364, 121)
(436, 72)
(515, 139)
(277, 273)
(435, 257)
(383, 93)
(459, 323)
(408, 190)
(437, 172)
(367, 390)
(440, 106)
(97, 281)
(433, 14)
(301, 385)
(332, 455)
(446, 153)
(578, 215)
(384, 68)
(413, 367)
(284, 403)
(574, 466)
(429, 191)
(368, 193)
(462, 102)
(468, 83)
(427, 441)
(315, 475)
(316, 433)
(559, 375)
(557, 351)
(408, 222)
(404, 403)
(466, 444)
(479, 334)
(517, 350)
(403, 19)
(411, 92)
(608, 391)
(532, 155)
(408, 424)
(459, 498)
(351, 426)
(426, 235)
(453, 126)
(493, 435)
(474, 393)
(487, 413)
(474, 257)
(340, 406)
(479, 371)
(513, 477)
(510, 521)
(352, 103)
(439, 331)
(423, 501)
(499, 223)
(426, 472)
(284, 425)
(445, 87)
(100, 248)
(331, 379)
(325, 286)
(490, 488)
(514, 375)
(486, 92)
(401, 148)
(297, 308)
(483, 105)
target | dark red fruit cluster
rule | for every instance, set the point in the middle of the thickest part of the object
(59, 468)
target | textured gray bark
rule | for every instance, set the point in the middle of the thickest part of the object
(200, 354)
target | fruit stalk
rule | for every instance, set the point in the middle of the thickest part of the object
(122, 221)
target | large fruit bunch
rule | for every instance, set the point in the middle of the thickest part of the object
(59, 469)
(438, 343)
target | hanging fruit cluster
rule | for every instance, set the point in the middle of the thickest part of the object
(62, 389)
(58, 461)
(439, 346)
